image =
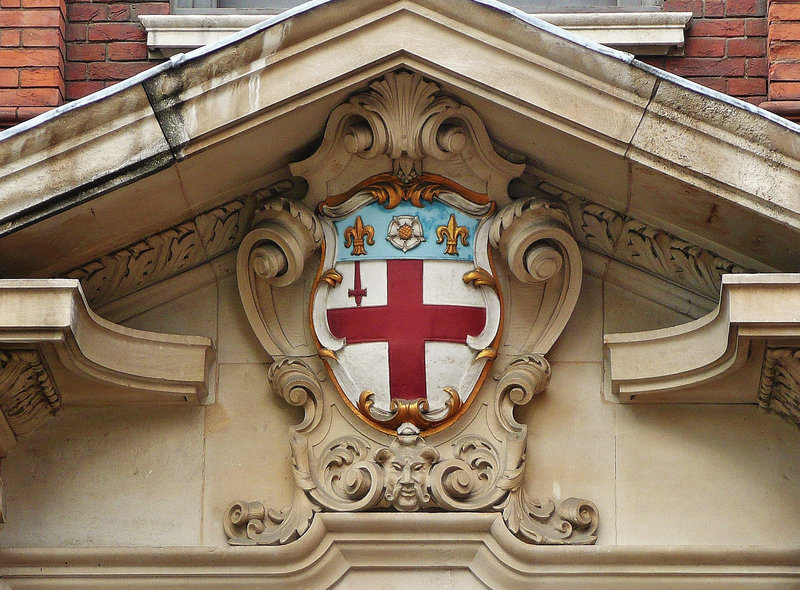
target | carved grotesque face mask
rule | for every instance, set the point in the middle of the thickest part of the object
(406, 464)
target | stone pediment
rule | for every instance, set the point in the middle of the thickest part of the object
(709, 170)
(243, 157)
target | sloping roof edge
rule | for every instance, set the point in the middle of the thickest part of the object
(163, 147)
(182, 58)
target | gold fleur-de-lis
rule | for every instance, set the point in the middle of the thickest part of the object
(452, 231)
(355, 234)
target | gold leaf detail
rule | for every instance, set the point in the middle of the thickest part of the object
(452, 232)
(355, 234)
(331, 276)
(327, 353)
(416, 411)
(486, 353)
(390, 191)
(480, 277)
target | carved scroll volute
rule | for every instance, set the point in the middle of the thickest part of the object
(536, 244)
(273, 276)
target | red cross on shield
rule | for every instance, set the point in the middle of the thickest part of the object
(406, 323)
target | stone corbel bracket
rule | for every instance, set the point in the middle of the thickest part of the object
(54, 351)
(745, 351)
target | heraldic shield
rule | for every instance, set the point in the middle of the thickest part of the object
(409, 314)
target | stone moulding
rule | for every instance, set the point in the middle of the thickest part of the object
(167, 253)
(723, 351)
(640, 33)
(479, 552)
(403, 141)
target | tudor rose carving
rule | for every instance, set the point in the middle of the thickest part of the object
(403, 159)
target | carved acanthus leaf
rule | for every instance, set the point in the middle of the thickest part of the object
(174, 250)
(27, 394)
(779, 388)
(540, 522)
(651, 249)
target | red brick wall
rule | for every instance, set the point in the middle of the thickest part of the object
(31, 58)
(105, 43)
(784, 58)
(726, 47)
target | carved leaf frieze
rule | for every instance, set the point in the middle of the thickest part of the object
(27, 394)
(779, 388)
(174, 250)
(646, 247)
(654, 250)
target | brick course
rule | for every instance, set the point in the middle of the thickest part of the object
(32, 58)
(57, 50)
(783, 38)
(726, 47)
(106, 43)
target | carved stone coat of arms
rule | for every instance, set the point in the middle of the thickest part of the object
(407, 303)
(406, 313)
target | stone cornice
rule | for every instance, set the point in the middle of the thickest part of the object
(476, 545)
(54, 350)
(634, 120)
(174, 250)
(640, 33)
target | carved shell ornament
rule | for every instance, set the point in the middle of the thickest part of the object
(383, 298)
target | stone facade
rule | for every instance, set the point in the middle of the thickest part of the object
(178, 405)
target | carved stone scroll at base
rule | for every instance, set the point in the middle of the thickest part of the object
(410, 475)
(249, 523)
(779, 389)
(541, 522)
